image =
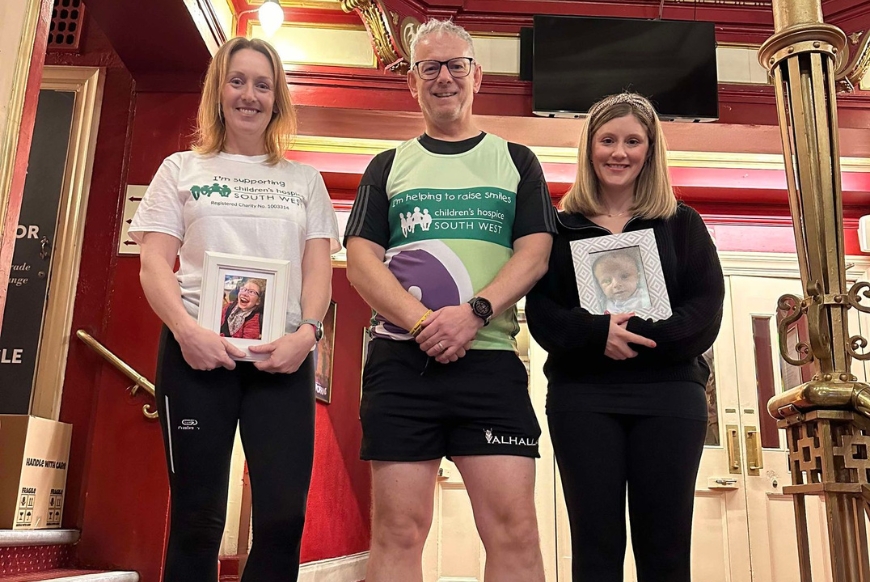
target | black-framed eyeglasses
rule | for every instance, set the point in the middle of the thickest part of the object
(246, 291)
(457, 67)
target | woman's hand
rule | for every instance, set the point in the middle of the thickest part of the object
(618, 338)
(205, 350)
(287, 352)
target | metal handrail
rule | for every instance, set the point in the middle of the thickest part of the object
(139, 381)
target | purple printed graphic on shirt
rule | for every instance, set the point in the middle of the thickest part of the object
(424, 277)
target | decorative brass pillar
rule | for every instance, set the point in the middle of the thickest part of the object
(825, 419)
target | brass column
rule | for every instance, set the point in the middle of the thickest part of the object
(825, 419)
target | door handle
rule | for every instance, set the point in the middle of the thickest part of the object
(733, 444)
(44, 248)
(722, 483)
(754, 461)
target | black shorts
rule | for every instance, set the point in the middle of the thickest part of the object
(415, 409)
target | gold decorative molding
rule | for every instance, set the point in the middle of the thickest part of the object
(562, 155)
(139, 380)
(87, 84)
(854, 68)
(382, 27)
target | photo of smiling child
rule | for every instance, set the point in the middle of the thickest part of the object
(243, 316)
(621, 284)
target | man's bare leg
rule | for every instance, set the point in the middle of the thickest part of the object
(402, 497)
(502, 492)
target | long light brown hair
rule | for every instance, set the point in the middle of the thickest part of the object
(211, 131)
(653, 193)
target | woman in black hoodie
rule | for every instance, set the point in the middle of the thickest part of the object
(626, 403)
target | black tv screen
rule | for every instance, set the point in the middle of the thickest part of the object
(579, 60)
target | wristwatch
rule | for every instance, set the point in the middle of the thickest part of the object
(482, 308)
(317, 325)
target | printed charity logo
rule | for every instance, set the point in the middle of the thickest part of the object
(411, 221)
(484, 214)
(494, 439)
(206, 190)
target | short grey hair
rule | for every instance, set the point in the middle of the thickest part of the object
(434, 26)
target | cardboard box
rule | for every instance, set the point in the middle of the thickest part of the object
(33, 460)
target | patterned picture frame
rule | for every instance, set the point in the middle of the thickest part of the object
(621, 273)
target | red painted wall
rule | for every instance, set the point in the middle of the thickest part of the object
(92, 293)
(339, 501)
(115, 490)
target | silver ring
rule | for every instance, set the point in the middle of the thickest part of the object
(440, 346)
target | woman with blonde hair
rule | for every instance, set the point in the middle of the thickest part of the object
(626, 404)
(236, 193)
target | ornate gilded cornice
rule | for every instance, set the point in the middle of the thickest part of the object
(389, 38)
(854, 68)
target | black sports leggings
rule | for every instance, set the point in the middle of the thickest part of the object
(657, 458)
(198, 413)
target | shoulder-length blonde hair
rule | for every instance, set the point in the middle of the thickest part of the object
(653, 194)
(211, 131)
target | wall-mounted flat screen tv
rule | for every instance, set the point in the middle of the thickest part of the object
(579, 60)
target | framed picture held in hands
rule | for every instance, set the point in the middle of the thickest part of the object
(244, 299)
(621, 273)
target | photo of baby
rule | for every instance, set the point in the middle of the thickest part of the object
(242, 312)
(621, 284)
(621, 273)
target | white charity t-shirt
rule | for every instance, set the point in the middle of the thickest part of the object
(236, 204)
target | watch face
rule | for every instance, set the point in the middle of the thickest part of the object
(481, 307)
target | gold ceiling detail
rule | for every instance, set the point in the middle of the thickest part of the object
(855, 67)
(386, 36)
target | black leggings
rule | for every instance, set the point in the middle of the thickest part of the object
(198, 413)
(657, 458)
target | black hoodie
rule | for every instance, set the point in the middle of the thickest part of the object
(576, 339)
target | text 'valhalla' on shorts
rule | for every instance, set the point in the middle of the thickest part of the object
(416, 409)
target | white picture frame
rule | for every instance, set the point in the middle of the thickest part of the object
(621, 273)
(230, 281)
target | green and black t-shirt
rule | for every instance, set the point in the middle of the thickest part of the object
(447, 214)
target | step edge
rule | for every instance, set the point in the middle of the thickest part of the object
(10, 538)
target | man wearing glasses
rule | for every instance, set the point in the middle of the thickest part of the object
(447, 232)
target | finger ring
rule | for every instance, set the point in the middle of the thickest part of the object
(441, 347)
